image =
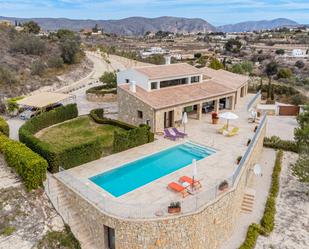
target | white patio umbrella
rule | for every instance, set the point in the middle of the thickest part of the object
(194, 170)
(184, 121)
(228, 116)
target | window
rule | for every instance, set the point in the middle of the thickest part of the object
(127, 81)
(140, 114)
(154, 85)
(195, 79)
(175, 82)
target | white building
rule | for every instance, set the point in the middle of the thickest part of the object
(299, 53)
(152, 51)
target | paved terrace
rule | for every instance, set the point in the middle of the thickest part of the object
(151, 200)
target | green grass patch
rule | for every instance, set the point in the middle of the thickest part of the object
(79, 131)
(55, 240)
(7, 231)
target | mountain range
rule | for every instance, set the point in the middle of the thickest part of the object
(258, 25)
(135, 26)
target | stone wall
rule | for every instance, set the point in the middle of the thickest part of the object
(109, 97)
(128, 106)
(206, 228)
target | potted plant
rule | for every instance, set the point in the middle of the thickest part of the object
(174, 207)
(223, 185)
(214, 117)
(238, 159)
(248, 142)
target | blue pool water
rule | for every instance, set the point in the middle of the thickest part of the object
(128, 177)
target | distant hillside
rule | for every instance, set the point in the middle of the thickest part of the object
(257, 25)
(128, 26)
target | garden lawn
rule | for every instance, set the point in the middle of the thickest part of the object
(78, 131)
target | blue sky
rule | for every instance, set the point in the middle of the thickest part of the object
(217, 12)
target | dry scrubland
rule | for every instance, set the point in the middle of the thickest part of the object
(292, 217)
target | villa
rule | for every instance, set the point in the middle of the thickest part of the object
(124, 200)
(158, 95)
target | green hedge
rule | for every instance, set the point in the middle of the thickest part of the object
(55, 159)
(27, 164)
(275, 142)
(101, 90)
(268, 220)
(98, 116)
(4, 127)
(251, 237)
(132, 136)
(50, 118)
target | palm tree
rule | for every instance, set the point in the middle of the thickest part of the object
(270, 70)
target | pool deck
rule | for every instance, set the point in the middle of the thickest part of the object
(211, 170)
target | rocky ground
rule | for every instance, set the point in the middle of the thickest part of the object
(27, 219)
(292, 217)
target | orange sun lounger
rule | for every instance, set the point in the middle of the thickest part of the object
(189, 180)
(178, 188)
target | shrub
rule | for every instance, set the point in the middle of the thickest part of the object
(28, 44)
(233, 45)
(280, 51)
(6, 75)
(44, 120)
(110, 79)
(275, 142)
(32, 27)
(284, 73)
(38, 68)
(4, 127)
(132, 136)
(216, 64)
(98, 116)
(101, 90)
(251, 237)
(55, 61)
(268, 219)
(27, 164)
(299, 64)
(12, 104)
(70, 48)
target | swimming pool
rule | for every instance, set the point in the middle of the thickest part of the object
(128, 177)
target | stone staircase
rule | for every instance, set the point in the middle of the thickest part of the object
(68, 213)
(248, 201)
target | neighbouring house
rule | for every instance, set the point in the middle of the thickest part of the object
(153, 51)
(158, 95)
(298, 53)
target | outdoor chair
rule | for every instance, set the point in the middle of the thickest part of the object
(178, 188)
(222, 129)
(169, 135)
(179, 133)
(195, 183)
(233, 132)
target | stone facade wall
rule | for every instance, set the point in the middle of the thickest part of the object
(204, 229)
(109, 97)
(128, 106)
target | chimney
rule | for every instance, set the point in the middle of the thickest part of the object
(167, 59)
(133, 86)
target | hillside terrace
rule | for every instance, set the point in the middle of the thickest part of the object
(152, 199)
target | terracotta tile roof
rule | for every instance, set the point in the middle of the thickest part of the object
(167, 71)
(177, 95)
(224, 77)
